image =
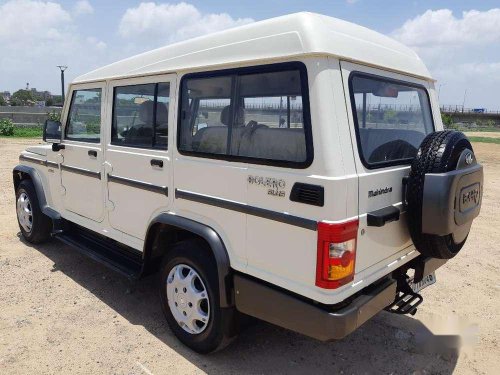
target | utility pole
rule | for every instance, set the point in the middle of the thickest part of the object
(62, 68)
(463, 104)
(439, 90)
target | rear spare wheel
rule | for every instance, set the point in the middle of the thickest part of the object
(443, 194)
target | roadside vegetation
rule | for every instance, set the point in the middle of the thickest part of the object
(9, 129)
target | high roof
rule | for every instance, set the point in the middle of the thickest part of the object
(295, 35)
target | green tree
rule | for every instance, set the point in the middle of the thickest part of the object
(2, 100)
(22, 97)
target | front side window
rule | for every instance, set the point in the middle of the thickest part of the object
(391, 118)
(140, 115)
(254, 116)
(84, 118)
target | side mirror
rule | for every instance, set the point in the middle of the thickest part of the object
(52, 131)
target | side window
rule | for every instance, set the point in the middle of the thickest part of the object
(206, 115)
(140, 115)
(160, 138)
(257, 116)
(392, 119)
(273, 117)
(84, 118)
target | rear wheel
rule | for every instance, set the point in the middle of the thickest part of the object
(34, 225)
(189, 292)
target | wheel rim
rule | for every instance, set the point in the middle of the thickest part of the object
(24, 212)
(188, 299)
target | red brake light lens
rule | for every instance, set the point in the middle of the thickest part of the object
(336, 254)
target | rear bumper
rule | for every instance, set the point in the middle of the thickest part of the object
(278, 307)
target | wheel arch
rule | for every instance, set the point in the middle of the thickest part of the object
(23, 172)
(172, 224)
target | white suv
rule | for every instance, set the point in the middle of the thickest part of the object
(294, 170)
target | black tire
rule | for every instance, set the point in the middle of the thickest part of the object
(41, 224)
(218, 332)
(438, 153)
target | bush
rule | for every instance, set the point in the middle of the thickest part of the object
(447, 121)
(6, 127)
(54, 116)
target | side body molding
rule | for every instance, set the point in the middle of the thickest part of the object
(37, 181)
(213, 239)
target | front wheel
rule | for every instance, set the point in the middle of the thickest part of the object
(34, 225)
(189, 293)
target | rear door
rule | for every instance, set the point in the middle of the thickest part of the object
(389, 117)
(138, 153)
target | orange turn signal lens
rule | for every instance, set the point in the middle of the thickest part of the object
(336, 254)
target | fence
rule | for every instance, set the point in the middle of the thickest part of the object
(27, 115)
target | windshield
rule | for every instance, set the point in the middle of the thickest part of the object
(391, 118)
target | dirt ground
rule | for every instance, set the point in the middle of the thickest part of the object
(63, 313)
(484, 134)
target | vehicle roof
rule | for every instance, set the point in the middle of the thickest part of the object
(294, 35)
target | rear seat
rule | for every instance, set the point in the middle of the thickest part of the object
(260, 142)
(275, 144)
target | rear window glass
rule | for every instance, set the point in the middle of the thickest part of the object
(392, 118)
(140, 115)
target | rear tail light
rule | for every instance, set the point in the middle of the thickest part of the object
(336, 254)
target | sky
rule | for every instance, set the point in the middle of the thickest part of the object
(458, 40)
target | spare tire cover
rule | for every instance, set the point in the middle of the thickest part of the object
(439, 152)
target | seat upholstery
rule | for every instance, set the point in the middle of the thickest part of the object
(257, 141)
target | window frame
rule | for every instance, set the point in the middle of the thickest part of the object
(390, 163)
(233, 73)
(68, 117)
(153, 137)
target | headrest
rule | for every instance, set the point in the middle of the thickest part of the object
(146, 112)
(225, 116)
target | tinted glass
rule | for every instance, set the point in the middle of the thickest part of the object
(206, 115)
(272, 117)
(140, 115)
(266, 123)
(392, 119)
(133, 115)
(84, 118)
(162, 105)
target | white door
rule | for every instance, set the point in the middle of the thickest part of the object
(82, 156)
(209, 186)
(138, 152)
(390, 114)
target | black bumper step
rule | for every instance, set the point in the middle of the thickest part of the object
(405, 303)
(124, 260)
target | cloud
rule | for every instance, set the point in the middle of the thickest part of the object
(35, 36)
(23, 20)
(154, 25)
(83, 7)
(441, 27)
(462, 53)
